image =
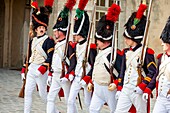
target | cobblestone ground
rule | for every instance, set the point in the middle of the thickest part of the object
(10, 84)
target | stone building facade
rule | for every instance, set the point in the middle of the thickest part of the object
(15, 16)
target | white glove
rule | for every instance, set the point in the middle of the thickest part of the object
(63, 80)
(137, 90)
(70, 77)
(168, 96)
(49, 80)
(82, 83)
(145, 97)
(117, 95)
(22, 76)
(112, 87)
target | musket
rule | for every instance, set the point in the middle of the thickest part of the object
(88, 40)
(80, 101)
(21, 93)
(113, 50)
(86, 51)
(113, 53)
(66, 47)
(144, 45)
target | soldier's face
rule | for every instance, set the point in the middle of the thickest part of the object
(59, 35)
(56, 34)
(77, 38)
(40, 30)
(100, 44)
(165, 46)
(130, 42)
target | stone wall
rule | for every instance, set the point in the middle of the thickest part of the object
(2, 14)
(159, 16)
(17, 32)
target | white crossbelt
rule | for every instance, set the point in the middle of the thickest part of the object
(39, 48)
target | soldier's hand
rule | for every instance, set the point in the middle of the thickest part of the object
(145, 97)
(23, 73)
(138, 90)
(71, 77)
(112, 87)
(22, 77)
(89, 87)
(82, 83)
(49, 80)
(63, 80)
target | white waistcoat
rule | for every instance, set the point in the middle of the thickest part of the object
(100, 74)
(164, 73)
(131, 73)
(37, 55)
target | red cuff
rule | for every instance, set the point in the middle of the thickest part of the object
(142, 86)
(23, 70)
(72, 72)
(119, 88)
(148, 91)
(115, 82)
(66, 76)
(91, 81)
(50, 74)
(87, 79)
(42, 69)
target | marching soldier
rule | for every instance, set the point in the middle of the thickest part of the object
(104, 82)
(81, 29)
(60, 30)
(129, 90)
(162, 104)
(41, 51)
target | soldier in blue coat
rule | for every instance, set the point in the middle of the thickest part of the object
(41, 52)
(55, 80)
(80, 33)
(129, 92)
(162, 78)
(103, 80)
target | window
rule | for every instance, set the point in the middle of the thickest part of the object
(101, 9)
(99, 15)
(111, 2)
(101, 2)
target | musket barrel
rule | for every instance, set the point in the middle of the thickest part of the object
(145, 40)
(66, 47)
(88, 40)
(144, 45)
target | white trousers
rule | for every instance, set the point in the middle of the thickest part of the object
(162, 105)
(75, 88)
(54, 89)
(102, 95)
(129, 97)
(31, 81)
